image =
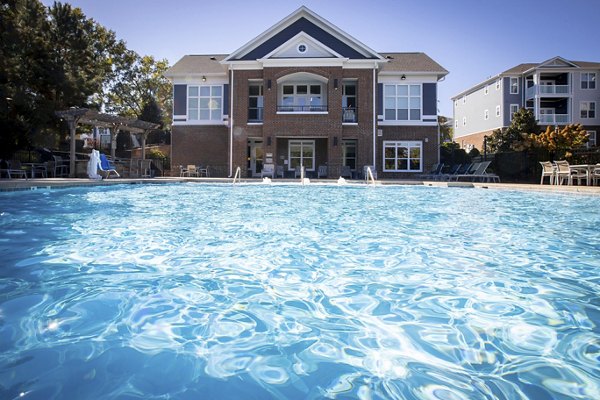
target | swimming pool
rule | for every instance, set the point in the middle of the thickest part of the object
(256, 292)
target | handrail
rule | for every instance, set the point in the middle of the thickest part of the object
(238, 175)
(370, 175)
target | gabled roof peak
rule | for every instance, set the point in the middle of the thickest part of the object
(303, 19)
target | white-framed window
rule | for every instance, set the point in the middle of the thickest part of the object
(456, 123)
(349, 103)
(591, 139)
(402, 102)
(497, 111)
(486, 90)
(349, 154)
(301, 152)
(402, 156)
(486, 114)
(302, 97)
(514, 85)
(255, 102)
(498, 84)
(588, 109)
(513, 109)
(464, 121)
(588, 80)
(205, 103)
(302, 48)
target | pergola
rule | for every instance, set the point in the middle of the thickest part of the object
(75, 116)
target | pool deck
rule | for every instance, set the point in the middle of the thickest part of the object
(50, 183)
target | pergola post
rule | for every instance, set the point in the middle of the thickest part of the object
(72, 129)
(144, 138)
(114, 132)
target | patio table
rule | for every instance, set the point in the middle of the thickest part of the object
(588, 168)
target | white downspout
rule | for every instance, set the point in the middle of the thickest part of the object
(231, 127)
(374, 119)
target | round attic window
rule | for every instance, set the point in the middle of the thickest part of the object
(301, 48)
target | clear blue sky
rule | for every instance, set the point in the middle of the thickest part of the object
(473, 39)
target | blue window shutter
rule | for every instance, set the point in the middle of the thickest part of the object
(429, 99)
(179, 99)
(380, 99)
(226, 99)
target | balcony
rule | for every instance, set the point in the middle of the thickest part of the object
(554, 119)
(548, 90)
(302, 109)
(349, 115)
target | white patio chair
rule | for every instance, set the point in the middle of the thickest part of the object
(549, 171)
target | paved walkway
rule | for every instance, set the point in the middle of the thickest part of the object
(28, 184)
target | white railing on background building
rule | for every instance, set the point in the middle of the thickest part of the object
(547, 89)
(554, 119)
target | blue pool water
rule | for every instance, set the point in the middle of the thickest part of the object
(290, 292)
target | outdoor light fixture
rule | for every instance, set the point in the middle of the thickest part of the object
(269, 84)
(403, 77)
(335, 84)
(203, 79)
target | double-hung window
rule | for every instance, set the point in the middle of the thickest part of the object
(402, 156)
(591, 139)
(402, 102)
(588, 109)
(205, 103)
(514, 85)
(255, 102)
(349, 111)
(513, 109)
(588, 80)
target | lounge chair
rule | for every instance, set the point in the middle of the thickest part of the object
(107, 167)
(346, 172)
(268, 170)
(564, 171)
(434, 173)
(365, 172)
(596, 174)
(279, 172)
(322, 172)
(549, 171)
(13, 170)
(475, 170)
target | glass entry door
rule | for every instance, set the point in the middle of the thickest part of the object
(255, 157)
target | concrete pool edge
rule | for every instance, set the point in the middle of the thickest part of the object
(9, 185)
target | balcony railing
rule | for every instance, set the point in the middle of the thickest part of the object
(544, 90)
(349, 115)
(255, 114)
(306, 109)
(554, 119)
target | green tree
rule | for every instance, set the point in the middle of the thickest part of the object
(446, 130)
(503, 139)
(557, 142)
(138, 82)
(51, 58)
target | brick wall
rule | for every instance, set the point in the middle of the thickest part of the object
(428, 135)
(201, 145)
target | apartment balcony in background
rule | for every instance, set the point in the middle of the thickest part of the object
(548, 90)
(554, 119)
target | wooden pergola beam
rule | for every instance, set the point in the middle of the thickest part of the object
(75, 116)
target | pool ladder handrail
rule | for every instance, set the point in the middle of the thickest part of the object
(370, 175)
(238, 175)
(302, 175)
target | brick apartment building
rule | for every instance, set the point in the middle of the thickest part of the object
(306, 93)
